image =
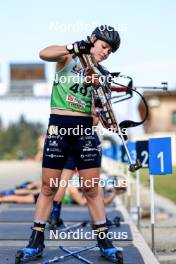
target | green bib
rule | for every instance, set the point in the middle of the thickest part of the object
(68, 91)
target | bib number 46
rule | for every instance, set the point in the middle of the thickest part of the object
(76, 88)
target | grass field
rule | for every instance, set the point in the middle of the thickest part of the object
(164, 184)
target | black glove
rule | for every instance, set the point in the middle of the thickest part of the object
(80, 47)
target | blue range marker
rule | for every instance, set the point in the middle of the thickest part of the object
(160, 156)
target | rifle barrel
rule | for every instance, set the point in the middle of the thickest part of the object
(152, 87)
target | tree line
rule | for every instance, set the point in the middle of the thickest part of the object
(20, 139)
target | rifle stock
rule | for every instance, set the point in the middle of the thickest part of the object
(106, 114)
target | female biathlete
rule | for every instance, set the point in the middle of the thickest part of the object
(70, 111)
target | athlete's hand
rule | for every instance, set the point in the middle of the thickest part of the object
(80, 47)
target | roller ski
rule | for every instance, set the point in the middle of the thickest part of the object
(34, 249)
(28, 254)
(107, 250)
(114, 254)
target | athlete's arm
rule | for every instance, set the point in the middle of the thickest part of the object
(57, 54)
(63, 54)
(54, 53)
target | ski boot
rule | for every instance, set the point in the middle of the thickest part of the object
(35, 247)
(114, 254)
(55, 221)
(107, 250)
(115, 222)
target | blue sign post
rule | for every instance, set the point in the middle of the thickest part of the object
(160, 162)
(143, 156)
(160, 158)
(142, 151)
(132, 151)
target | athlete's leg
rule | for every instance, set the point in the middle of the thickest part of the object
(36, 242)
(88, 163)
(54, 219)
(65, 177)
(48, 190)
(90, 179)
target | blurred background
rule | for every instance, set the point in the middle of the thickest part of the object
(147, 54)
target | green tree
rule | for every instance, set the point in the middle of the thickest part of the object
(20, 140)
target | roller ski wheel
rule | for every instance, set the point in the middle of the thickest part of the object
(28, 254)
(114, 255)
